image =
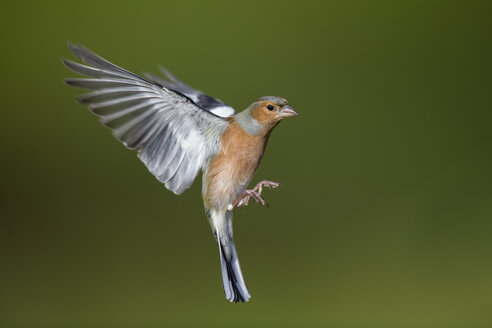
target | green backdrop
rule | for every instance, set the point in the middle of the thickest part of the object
(384, 218)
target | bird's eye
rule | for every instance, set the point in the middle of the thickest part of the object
(270, 107)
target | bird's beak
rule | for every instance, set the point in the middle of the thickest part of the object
(287, 111)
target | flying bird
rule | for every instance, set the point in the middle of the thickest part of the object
(178, 131)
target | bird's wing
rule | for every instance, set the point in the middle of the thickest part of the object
(173, 136)
(203, 100)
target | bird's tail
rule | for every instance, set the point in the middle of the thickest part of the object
(235, 288)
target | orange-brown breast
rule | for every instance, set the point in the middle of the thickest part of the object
(231, 170)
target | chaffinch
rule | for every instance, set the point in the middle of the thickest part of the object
(178, 131)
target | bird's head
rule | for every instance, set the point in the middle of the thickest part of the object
(270, 109)
(264, 114)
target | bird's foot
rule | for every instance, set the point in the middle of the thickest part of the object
(265, 183)
(243, 200)
(254, 193)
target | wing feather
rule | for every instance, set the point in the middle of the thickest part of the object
(174, 136)
(204, 101)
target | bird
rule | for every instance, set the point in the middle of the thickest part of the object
(179, 131)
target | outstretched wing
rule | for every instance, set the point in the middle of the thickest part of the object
(203, 100)
(173, 136)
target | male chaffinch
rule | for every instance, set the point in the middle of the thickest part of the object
(178, 131)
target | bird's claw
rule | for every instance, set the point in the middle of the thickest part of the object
(265, 183)
(243, 200)
(254, 193)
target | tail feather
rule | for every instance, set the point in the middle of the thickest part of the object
(235, 288)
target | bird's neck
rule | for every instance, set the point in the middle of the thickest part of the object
(248, 123)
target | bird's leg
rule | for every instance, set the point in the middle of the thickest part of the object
(254, 193)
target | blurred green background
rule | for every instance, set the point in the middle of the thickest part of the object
(384, 219)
